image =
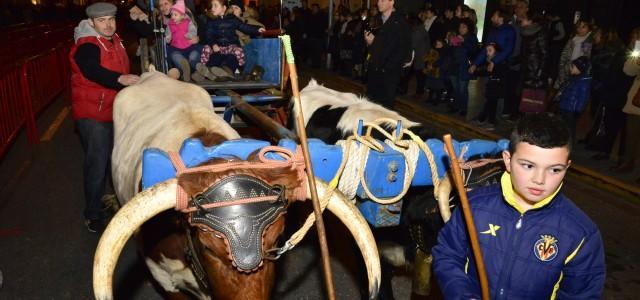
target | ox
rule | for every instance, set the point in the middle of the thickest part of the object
(330, 115)
(161, 112)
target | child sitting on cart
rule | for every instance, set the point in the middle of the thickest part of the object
(184, 51)
(222, 49)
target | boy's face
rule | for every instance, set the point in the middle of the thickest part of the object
(236, 10)
(491, 51)
(536, 172)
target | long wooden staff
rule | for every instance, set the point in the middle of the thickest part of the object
(302, 134)
(468, 218)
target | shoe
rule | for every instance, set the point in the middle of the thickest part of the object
(173, 73)
(197, 77)
(220, 72)
(95, 226)
(204, 71)
(600, 156)
(186, 70)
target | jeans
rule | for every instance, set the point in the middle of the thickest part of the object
(191, 54)
(460, 92)
(97, 143)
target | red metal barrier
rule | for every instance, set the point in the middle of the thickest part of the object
(44, 77)
(12, 106)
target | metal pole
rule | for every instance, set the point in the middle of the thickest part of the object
(302, 134)
(329, 32)
(468, 218)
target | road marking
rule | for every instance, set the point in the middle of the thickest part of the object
(53, 128)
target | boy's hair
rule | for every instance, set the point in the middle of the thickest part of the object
(544, 130)
(494, 45)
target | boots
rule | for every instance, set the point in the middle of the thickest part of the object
(204, 71)
(186, 70)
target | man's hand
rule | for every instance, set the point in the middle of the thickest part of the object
(128, 79)
(368, 37)
(215, 48)
(261, 29)
(472, 69)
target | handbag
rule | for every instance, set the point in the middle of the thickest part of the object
(533, 100)
(597, 137)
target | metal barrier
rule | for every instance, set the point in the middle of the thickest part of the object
(12, 106)
(29, 85)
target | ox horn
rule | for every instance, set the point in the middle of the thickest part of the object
(342, 208)
(443, 194)
(151, 202)
(142, 207)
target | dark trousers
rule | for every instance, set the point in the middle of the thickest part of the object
(513, 90)
(223, 60)
(97, 143)
(571, 118)
(489, 112)
(381, 86)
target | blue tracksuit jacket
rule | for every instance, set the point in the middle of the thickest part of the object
(551, 252)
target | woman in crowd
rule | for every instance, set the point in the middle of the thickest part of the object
(608, 92)
(632, 110)
(462, 56)
(579, 45)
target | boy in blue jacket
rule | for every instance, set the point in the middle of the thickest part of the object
(574, 96)
(536, 244)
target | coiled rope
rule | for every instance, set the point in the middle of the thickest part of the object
(355, 153)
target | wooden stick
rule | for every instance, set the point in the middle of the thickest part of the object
(302, 134)
(265, 123)
(468, 218)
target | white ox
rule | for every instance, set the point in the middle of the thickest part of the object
(161, 112)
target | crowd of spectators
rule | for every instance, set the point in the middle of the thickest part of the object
(528, 62)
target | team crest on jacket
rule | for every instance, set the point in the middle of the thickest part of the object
(546, 248)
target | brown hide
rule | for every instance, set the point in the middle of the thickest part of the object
(165, 235)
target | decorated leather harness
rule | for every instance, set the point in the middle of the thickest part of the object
(238, 206)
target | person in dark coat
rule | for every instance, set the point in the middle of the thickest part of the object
(390, 49)
(609, 88)
(574, 96)
(221, 37)
(533, 52)
(495, 87)
(462, 56)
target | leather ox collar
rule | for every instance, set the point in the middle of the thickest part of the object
(242, 221)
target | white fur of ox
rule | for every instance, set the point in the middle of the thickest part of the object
(157, 112)
(314, 96)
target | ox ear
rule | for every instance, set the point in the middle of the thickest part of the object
(312, 82)
(152, 68)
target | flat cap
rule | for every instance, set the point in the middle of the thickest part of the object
(101, 9)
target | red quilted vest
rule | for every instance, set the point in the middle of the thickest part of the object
(89, 99)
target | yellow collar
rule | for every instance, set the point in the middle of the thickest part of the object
(510, 195)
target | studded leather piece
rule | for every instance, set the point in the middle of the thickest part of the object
(242, 224)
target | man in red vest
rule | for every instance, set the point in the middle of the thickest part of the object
(99, 68)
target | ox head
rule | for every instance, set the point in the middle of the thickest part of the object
(230, 231)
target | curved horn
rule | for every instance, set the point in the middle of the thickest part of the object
(357, 225)
(142, 207)
(444, 192)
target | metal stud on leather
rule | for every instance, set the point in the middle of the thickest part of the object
(242, 224)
